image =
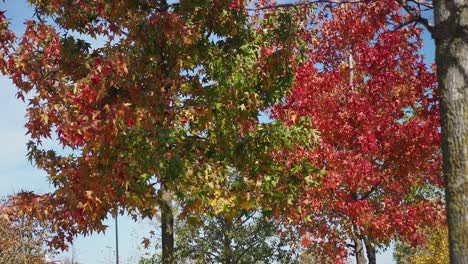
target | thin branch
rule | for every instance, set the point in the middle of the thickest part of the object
(350, 245)
(416, 14)
(246, 219)
(423, 3)
(306, 4)
(406, 23)
(197, 137)
(364, 196)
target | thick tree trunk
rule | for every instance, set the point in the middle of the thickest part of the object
(451, 35)
(167, 225)
(370, 252)
(359, 252)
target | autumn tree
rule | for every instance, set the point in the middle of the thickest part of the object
(165, 108)
(375, 104)
(449, 31)
(434, 251)
(22, 239)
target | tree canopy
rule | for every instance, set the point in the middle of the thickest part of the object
(23, 239)
(171, 98)
(375, 103)
(169, 106)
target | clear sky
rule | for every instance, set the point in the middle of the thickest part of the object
(16, 173)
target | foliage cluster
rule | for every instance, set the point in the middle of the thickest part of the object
(22, 238)
(435, 251)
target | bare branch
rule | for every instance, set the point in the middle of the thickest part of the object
(305, 4)
(411, 21)
(350, 245)
(423, 3)
(415, 13)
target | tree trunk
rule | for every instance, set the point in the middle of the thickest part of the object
(370, 251)
(167, 225)
(227, 241)
(167, 217)
(451, 35)
(359, 252)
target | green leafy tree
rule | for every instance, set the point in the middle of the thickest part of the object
(245, 238)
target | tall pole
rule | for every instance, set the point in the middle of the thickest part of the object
(116, 241)
(358, 244)
(351, 69)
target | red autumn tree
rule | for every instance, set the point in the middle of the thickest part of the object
(374, 101)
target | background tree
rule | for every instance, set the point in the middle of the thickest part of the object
(375, 104)
(248, 238)
(434, 251)
(244, 238)
(309, 257)
(22, 239)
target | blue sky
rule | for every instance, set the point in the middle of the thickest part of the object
(16, 173)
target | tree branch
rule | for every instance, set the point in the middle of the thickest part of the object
(416, 13)
(305, 4)
(406, 23)
(364, 196)
(423, 3)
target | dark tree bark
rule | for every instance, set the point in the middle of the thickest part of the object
(359, 251)
(451, 36)
(167, 225)
(370, 252)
